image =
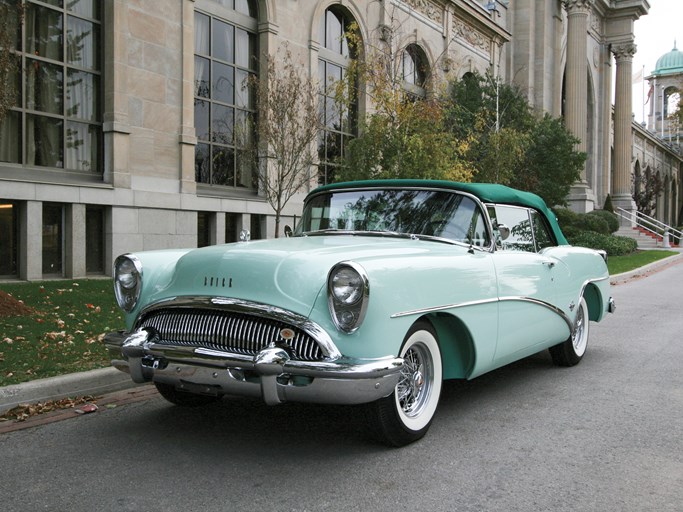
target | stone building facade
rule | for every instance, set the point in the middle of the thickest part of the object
(122, 138)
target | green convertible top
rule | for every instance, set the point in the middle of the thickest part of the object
(486, 192)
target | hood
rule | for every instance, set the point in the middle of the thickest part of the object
(288, 273)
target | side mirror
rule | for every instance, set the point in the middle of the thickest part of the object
(288, 231)
(503, 231)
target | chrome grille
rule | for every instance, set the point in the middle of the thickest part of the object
(228, 331)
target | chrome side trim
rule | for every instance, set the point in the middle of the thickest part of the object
(443, 308)
(532, 300)
(326, 344)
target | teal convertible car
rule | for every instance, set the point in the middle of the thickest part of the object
(383, 290)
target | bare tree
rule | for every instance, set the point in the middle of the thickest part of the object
(11, 15)
(646, 190)
(288, 124)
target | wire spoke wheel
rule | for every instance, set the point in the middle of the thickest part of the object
(570, 352)
(406, 414)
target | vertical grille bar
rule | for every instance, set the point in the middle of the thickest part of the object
(227, 331)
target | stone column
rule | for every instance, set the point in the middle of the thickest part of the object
(187, 137)
(115, 126)
(75, 241)
(31, 241)
(576, 76)
(577, 72)
(623, 135)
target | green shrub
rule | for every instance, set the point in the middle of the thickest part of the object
(613, 245)
(608, 207)
(609, 217)
(566, 217)
(594, 223)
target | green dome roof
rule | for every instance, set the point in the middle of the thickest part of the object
(670, 63)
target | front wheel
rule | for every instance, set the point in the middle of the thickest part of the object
(405, 416)
(571, 351)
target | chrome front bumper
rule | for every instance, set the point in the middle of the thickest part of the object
(270, 374)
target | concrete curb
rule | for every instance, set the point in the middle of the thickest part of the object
(646, 270)
(93, 382)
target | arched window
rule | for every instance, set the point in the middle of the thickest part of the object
(672, 97)
(414, 71)
(225, 56)
(334, 57)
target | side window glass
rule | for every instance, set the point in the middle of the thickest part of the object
(541, 233)
(517, 220)
(478, 236)
(459, 220)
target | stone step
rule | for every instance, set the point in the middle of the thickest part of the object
(645, 240)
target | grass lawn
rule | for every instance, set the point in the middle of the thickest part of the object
(620, 264)
(59, 325)
(58, 330)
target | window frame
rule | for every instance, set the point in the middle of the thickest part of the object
(65, 124)
(329, 57)
(532, 215)
(209, 147)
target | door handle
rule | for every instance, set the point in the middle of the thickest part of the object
(549, 263)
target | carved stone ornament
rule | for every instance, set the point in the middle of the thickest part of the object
(472, 36)
(624, 51)
(427, 8)
(583, 6)
(596, 23)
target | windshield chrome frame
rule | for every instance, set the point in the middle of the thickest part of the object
(414, 236)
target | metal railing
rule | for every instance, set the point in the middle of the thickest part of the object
(657, 228)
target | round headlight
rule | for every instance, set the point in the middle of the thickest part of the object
(127, 281)
(348, 292)
(347, 286)
(126, 273)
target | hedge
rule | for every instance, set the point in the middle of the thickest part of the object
(612, 244)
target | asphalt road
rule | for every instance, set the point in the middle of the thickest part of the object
(606, 435)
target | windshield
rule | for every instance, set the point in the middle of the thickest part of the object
(442, 214)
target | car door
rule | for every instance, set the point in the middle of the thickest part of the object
(528, 320)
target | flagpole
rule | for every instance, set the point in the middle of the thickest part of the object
(643, 96)
(662, 116)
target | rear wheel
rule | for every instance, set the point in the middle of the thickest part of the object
(183, 398)
(571, 351)
(405, 416)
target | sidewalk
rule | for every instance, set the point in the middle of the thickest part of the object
(107, 380)
(93, 382)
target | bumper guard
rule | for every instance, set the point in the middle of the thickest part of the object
(271, 374)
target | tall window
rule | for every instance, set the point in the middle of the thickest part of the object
(94, 239)
(9, 230)
(414, 70)
(56, 119)
(225, 56)
(203, 229)
(231, 223)
(340, 122)
(53, 239)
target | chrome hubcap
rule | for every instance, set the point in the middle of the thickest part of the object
(579, 338)
(414, 387)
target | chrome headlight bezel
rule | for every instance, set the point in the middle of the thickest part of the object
(127, 281)
(348, 291)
